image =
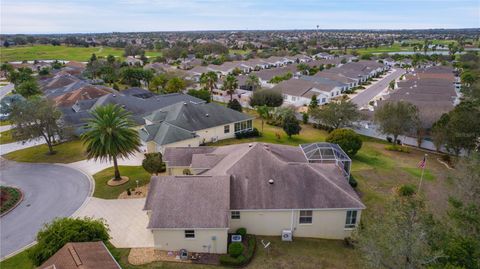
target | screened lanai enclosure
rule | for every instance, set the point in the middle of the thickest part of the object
(323, 152)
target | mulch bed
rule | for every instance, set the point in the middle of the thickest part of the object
(9, 198)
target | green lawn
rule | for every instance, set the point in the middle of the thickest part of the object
(4, 122)
(67, 152)
(6, 137)
(102, 190)
(19, 261)
(49, 52)
(241, 52)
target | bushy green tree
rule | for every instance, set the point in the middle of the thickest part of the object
(235, 105)
(347, 139)
(28, 88)
(174, 85)
(55, 235)
(336, 115)
(153, 163)
(396, 118)
(291, 125)
(201, 94)
(268, 98)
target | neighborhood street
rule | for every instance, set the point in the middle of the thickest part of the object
(50, 191)
(6, 90)
(368, 94)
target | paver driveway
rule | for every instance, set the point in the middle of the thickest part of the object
(50, 191)
(125, 218)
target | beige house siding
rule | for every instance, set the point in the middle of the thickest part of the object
(215, 133)
(174, 240)
(329, 224)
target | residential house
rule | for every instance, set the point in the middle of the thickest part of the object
(82, 255)
(191, 124)
(268, 189)
(299, 92)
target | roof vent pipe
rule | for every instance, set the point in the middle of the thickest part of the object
(270, 181)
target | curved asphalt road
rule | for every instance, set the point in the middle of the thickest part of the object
(49, 190)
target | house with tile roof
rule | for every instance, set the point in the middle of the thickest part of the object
(266, 188)
(191, 124)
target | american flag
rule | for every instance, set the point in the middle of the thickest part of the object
(422, 163)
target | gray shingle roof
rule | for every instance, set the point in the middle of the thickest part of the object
(298, 184)
(184, 118)
(189, 202)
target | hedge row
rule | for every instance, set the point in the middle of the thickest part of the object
(247, 134)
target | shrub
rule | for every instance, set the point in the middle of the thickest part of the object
(129, 192)
(305, 118)
(446, 158)
(352, 181)
(322, 127)
(347, 139)
(56, 234)
(235, 105)
(247, 133)
(230, 261)
(242, 232)
(397, 148)
(389, 139)
(201, 94)
(153, 163)
(235, 249)
(406, 190)
(251, 247)
(399, 142)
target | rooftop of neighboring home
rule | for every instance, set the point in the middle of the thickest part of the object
(268, 74)
(86, 92)
(305, 88)
(254, 176)
(58, 81)
(431, 89)
(84, 255)
(179, 121)
(139, 107)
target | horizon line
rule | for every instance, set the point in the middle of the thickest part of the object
(250, 30)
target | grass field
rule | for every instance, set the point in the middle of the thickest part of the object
(67, 152)
(6, 137)
(102, 190)
(49, 52)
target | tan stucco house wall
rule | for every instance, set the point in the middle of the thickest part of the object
(206, 240)
(329, 224)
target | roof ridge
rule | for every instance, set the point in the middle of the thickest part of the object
(333, 183)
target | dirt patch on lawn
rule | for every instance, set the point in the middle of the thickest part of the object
(139, 256)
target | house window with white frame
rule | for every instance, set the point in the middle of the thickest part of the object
(305, 217)
(351, 220)
(226, 129)
(235, 215)
(189, 233)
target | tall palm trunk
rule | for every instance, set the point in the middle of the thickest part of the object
(117, 172)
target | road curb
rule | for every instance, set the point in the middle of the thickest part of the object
(16, 204)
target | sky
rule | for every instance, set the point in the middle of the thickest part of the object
(86, 16)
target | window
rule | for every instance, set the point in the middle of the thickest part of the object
(351, 221)
(226, 129)
(237, 127)
(235, 215)
(189, 233)
(305, 216)
(294, 98)
(242, 126)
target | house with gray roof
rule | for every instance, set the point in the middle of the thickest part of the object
(191, 124)
(268, 189)
(299, 91)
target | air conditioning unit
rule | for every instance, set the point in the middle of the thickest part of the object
(287, 235)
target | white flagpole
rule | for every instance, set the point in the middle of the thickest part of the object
(423, 170)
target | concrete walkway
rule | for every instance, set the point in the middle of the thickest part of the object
(4, 128)
(7, 148)
(125, 218)
(92, 167)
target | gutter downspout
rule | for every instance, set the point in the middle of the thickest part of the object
(291, 222)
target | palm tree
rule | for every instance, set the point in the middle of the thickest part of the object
(230, 85)
(252, 82)
(209, 80)
(110, 135)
